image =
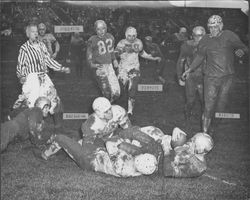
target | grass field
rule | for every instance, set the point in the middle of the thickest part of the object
(23, 176)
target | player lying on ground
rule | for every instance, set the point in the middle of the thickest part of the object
(138, 151)
(27, 124)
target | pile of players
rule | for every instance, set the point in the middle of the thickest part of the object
(110, 144)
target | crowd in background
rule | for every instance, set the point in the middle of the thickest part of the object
(160, 25)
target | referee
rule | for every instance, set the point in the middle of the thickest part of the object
(33, 62)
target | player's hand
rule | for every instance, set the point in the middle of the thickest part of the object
(181, 82)
(65, 70)
(22, 80)
(185, 75)
(158, 59)
(115, 63)
(239, 53)
(94, 66)
(54, 55)
(177, 134)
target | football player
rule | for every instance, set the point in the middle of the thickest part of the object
(27, 124)
(154, 49)
(218, 49)
(101, 58)
(129, 50)
(104, 122)
(194, 84)
(138, 151)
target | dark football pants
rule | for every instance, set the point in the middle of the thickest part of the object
(216, 92)
(81, 154)
(193, 85)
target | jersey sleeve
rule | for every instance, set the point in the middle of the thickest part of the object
(236, 42)
(88, 134)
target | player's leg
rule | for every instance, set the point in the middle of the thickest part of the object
(113, 83)
(224, 93)
(101, 77)
(160, 73)
(222, 99)
(134, 79)
(78, 151)
(211, 89)
(190, 93)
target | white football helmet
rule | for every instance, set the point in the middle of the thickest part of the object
(146, 163)
(131, 34)
(102, 108)
(203, 143)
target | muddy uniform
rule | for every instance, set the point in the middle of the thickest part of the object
(219, 70)
(95, 130)
(155, 51)
(48, 39)
(117, 157)
(94, 127)
(27, 124)
(103, 53)
(184, 162)
(129, 66)
(195, 81)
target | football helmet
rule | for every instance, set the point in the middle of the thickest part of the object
(131, 34)
(214, 20)
(146, 163)
(41, 26)
(182, 30)
(44, 103)
(199, 31)
(100, 27)
(101, 104)
(203, 143)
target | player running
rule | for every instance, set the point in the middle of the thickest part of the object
(101, 58)
(129, 50)
(218, 49)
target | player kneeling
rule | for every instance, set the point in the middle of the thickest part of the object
(27, 124)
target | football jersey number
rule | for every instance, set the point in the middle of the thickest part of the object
(105, 47)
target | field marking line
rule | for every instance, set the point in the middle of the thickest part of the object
(221, 180)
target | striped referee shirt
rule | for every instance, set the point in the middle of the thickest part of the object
(34, 58)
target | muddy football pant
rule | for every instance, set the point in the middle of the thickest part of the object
(193, 85)
(216, 92)
(107, 81)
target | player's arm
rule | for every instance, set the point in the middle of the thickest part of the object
(240, 48)
(51, 63)
(88, 133)
(145, 55)
(180, 63)
(57, 46)
(89, 55)
(198, 60)
(21, 65)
